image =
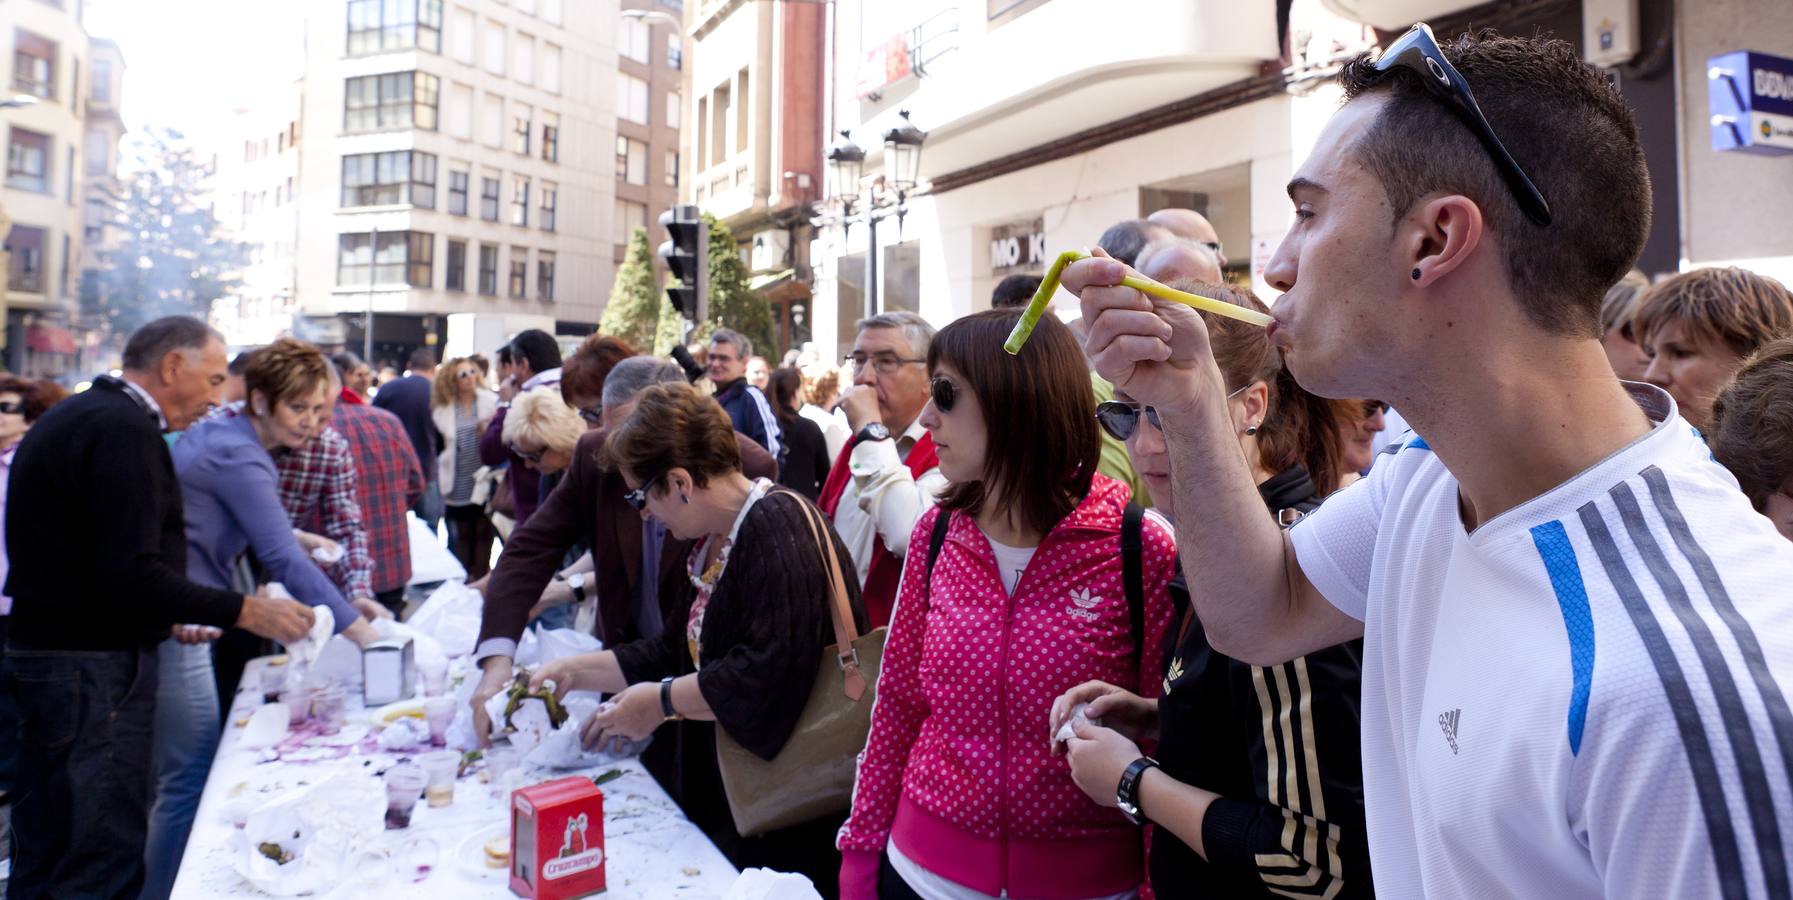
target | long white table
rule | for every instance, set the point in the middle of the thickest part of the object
(653, 850)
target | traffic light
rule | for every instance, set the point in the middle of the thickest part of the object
(687, 256)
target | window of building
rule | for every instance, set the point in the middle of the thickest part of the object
(401, 258)
(457, 117)
(377, 26)
(488, 269)
(550, 201)
(68, 176)
(383, 179)
(523, 59)
(520, 200)
(25, 268)
(634, 40)
(395, 100)
(551, 11)
(631, 98)
(462, 30)
(551, 68)
(520, 128)
(675, 50)
(741, 107)
(491, 120)
(457, 193)
(494, 49)
(631, 160)
(675, 113)
(28, 161)
(629, 216)
(488, 199)
(33, 64)
(455, 279)
(544, 275)
(720, 109)
(102, 81)
(550, 137)
(672, 168)
(526, 7)
(519, 280)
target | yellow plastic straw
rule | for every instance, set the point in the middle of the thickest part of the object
(1049, 285)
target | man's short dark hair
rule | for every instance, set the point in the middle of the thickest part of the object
(240, 363)
(421, 358)
(504, 355)
(147, 345)
(345, 362)
(538, 348)
(1566, 127)
(1015, 290)
(1124, 240)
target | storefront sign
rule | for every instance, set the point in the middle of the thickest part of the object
(884, 65)
(1752, 102)
(1018, 246)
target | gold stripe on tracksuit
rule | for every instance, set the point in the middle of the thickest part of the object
(1316, 860)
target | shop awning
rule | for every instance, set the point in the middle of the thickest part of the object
(50, 339)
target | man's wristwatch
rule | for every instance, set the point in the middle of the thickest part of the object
(666, 708)
(576, 581)
(873, 431)
(1126, 795)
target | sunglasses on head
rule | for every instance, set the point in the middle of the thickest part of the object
(944, 392)
(638, 497)
(1418, 52)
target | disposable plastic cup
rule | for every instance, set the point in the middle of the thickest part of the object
(273, 679)
(298, 706)
(439, 713)
(330, 708)
(440, 769)
(404, 783)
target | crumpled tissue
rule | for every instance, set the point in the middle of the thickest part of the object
(321, 826)
(561, 748)
(765, 884)
(530, 721)
(450, 616)
(405, 733)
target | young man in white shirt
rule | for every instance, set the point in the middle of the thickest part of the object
(1578, 634)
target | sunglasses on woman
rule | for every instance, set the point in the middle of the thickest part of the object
(1418, 52)
(638, 497)
(944, 392)
(1121, 418)
(12, 407)
(534, 457)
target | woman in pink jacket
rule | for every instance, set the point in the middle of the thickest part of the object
(959, 794)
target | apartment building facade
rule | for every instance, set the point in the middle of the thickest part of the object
(650, 60)
(441, 157)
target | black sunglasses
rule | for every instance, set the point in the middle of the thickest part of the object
(12, 408)
(535, 457)
(1418, 52)
(638, 497)
(945, 394)
(1121, 419)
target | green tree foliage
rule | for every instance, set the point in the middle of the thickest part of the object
(171, 258)
(633, 313)
(733, 304)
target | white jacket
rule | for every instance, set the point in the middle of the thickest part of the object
(485, 405)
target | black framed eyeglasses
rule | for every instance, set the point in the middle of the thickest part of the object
(1120, 418)
(1418, 52)
(638, 497)
(944, 392)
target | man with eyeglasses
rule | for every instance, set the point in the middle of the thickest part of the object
(1190, 226)
(746, 405)
(887, 475)
(1577, 640)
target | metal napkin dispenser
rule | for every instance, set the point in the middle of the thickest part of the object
(388, 671)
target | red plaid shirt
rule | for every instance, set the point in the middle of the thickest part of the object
(317, 488)
(391, 483)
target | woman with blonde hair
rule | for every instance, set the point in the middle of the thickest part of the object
(461, 407)
(542, 430)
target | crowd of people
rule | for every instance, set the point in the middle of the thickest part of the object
(1458, 579)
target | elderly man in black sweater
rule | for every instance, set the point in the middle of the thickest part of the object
(95, 534)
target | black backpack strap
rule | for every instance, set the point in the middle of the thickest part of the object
(1133, 572)
(936, 540)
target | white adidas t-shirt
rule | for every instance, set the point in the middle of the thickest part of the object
(1586, 697)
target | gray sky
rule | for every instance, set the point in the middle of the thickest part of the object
(189, 63)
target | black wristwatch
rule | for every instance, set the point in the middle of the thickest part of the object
(666, 699)
(874, 431)
(1126, 795)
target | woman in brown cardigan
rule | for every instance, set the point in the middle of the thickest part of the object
(742, 647)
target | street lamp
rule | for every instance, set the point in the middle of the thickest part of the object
(18, 100)
(902, 172)
(666, 17)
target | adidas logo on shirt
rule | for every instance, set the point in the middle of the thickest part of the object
(1083, 605)
(1448, 722)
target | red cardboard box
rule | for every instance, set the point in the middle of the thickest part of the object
(557, 839)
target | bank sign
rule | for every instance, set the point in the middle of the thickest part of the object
(1752, 102)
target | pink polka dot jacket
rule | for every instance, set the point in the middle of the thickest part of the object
(959, 770)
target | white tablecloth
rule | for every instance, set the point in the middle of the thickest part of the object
(653, 850)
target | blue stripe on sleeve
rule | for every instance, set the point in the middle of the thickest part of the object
(1552, 541)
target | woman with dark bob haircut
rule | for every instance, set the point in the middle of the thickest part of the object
(740, 648)
(959, 789)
